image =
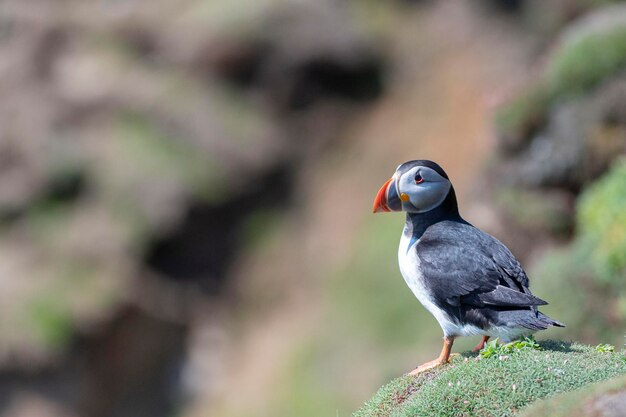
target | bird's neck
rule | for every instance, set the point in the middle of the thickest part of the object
(417, 223)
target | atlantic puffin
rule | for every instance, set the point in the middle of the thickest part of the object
(466, 278)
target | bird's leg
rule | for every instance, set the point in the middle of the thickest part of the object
(480, 345)
(443, 358)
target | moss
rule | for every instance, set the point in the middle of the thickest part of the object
(575, 404)
(495, 387)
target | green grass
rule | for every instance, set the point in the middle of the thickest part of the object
(575, 404)
(497, 386)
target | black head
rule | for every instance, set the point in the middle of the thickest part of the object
(416, 187)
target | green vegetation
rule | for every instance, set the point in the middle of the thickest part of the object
(499, 386)
(605, 348)
(496, 349)
(575, 404)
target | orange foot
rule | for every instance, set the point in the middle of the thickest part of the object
(480, 345)
(431, 365)
(427, 366)
(443, 358)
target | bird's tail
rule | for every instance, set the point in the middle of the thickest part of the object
(530, 319)
(548, 321)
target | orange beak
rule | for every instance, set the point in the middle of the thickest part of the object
(380, 202)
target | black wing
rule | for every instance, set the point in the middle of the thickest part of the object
(463, 265)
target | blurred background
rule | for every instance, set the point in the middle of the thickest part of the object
(186, 190)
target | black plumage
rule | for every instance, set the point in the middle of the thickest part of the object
(475, 279)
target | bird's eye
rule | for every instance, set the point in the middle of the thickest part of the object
(418, 179)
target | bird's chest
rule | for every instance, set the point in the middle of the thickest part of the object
(411, 270)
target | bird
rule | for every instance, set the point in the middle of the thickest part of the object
(467, 279)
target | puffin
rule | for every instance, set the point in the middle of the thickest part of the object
(467, 279)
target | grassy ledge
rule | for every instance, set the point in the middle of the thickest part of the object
(498, 386)
(590, 401)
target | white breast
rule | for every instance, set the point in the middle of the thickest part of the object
(411, 271)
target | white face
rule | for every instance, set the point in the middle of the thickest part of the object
(421, 189)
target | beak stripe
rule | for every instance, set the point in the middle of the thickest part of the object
(380, 203)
